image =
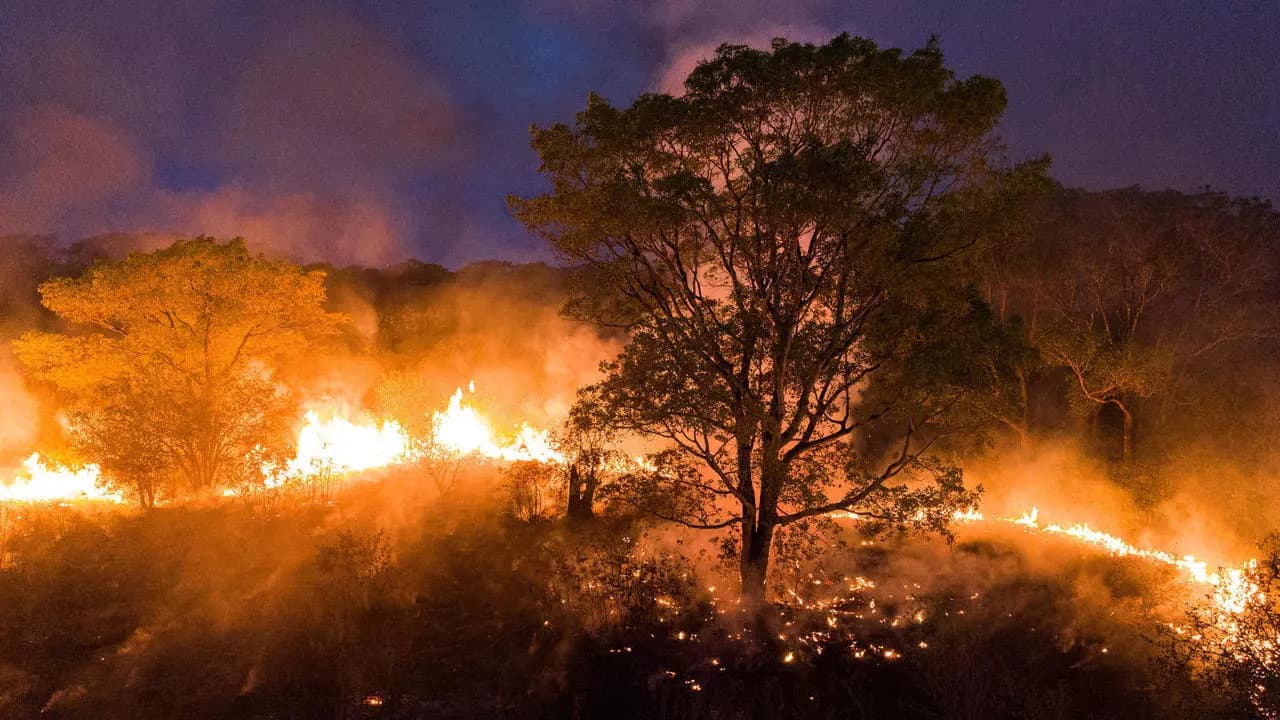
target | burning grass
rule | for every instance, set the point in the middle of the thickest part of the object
(848, 624)
(446, 606)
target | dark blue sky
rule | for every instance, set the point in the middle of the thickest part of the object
(371, 131)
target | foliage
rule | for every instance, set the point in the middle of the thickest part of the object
(171, 360)
(588, 441)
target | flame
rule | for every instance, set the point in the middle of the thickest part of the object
(341, 445)
(462, 430)
(1027, 519)
(331, 441)
(51, 483)
(1231, 589)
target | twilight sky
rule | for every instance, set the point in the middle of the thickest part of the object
(372, 131)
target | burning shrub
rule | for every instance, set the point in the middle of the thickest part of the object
(608, 579)
(1234, 638)
(529, 487)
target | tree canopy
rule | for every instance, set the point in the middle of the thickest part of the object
(774, 240)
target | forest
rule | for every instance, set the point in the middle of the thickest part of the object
(825, 409)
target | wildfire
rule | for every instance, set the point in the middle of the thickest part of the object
(341, 445)
(461, 429)
(1231, 589)
(51, 483)
(331, 441)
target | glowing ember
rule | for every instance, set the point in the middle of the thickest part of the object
(52, 483)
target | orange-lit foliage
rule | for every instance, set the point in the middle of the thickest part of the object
(171, 363)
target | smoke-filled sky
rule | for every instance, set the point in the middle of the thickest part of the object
(367, 132)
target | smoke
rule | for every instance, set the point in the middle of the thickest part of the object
(1189, 516)
(19, 424)
(303, 226)
(692, 31)
(526, 359)
(62, 164)
(305, 135)
(500, 326)
(684, 53)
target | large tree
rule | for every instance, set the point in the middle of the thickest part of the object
(777, 240)
(170, 359)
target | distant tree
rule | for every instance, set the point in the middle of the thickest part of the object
(1005, 272)
(1130, 293)
(170, 360)
(772, 240)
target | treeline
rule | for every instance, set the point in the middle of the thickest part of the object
(1148, 322)
(109, 333)
(1152, 317)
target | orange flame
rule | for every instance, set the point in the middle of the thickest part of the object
(341, 445)
(53, 483)
(462, 430)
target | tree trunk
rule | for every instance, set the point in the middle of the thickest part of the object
(1024, 427)
(581, 495)
(756, 545)
(758, 542)
(590, 483)
(146, 493)
(574, 485)
(1126, 442)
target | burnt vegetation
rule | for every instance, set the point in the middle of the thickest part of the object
(805, 311)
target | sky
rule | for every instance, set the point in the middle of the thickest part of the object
(370, 132)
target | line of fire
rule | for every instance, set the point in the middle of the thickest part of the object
(820, 407)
